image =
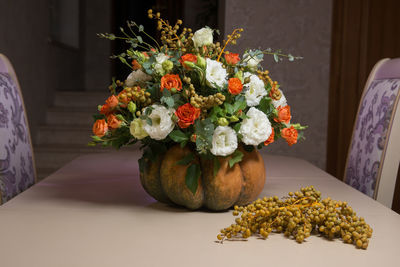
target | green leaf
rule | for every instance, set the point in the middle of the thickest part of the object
(276, 58)
(169, 101)
(236, 157)
(266, 106)
(98, 117)
(178, 136)
(139, 38)
(186, 159)
(149, 121)
(192, 176)
(229, 108)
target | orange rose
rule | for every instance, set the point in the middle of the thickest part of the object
(113, 122)
(235, 86)
(232, 58)
(270, 139)
(105, 109)
(169, 81)
(100, 128)
(136, 65)
(290, 135)
(187, 114)
(187, 57)
(283, 114)
(112, 101)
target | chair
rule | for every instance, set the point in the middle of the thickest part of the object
(17, 165)
(374, 153)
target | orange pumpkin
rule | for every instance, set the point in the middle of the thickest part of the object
(164, 180)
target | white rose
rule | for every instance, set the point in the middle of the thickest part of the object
(252, 61)
(160, 58)
(162, 123)
(137, 77)
(281, 102)
(254, 91)
(204, 36)
(215, 73)
(136, 129)
(255, 129)
(224, 141)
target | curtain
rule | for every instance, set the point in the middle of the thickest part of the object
(363, 32)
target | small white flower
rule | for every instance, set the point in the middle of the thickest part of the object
(137, 77)
(215, 73)
(255, 129)
(136, 129)
(281, 102)
(255, 90)
(224, 141)
(204, 36)
(252, 61)
(162, 123)
(160, 58)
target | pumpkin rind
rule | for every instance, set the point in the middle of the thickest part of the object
(221, 191)
(173, 175)
(150, 179)
(164, 180)
(253, 172)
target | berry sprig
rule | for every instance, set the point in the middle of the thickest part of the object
(297, 216)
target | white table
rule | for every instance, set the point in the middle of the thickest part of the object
(93, 212)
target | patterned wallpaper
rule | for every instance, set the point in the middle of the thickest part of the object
(299, 27)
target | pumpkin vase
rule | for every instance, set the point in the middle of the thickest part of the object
(240, 184)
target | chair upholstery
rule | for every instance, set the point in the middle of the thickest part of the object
(374, 152)
(17, 169)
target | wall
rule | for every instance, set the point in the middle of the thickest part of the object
(44, 67)
(301, 27)
(97, 64)
(23, 39)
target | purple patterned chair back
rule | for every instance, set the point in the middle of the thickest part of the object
(374, 153)
(17, 170)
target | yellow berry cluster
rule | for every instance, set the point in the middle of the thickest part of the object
(297, 215)
(202, 102)
(169, 34)
(231, 39)
(135, 94)
(274, 93)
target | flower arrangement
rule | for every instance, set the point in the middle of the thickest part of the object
(191, 91)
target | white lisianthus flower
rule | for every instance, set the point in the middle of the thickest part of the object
(254, 91)
(137, 77)
(255, 129)
(162, 123)
(252, 61)
(136, 129)
(204, 36)
(224, 141)
(215, 73)
(158, 66)
(281, 102)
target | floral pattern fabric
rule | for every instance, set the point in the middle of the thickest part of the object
(370, 135)
(16, 159)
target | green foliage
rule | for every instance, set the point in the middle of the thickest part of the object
(178, 136)
(192, 176)
(186, 160)
(204, 130)
(236, 157)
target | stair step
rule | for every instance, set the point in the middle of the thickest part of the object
(80, 99)
(69, 116)
(53, 157)
(62, 134)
